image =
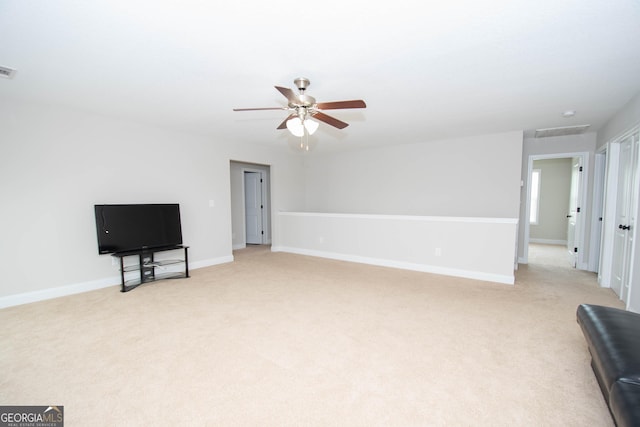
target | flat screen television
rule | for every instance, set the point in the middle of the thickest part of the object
(123, 228)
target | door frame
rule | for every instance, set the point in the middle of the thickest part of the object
(582, 260)
(597, 208)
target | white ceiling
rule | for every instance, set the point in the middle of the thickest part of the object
(427, 70)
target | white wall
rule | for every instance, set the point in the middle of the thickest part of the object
(55, 164)
(622, 121)
(400, 205)
(476, 248)
(555, 187)
(476, 176)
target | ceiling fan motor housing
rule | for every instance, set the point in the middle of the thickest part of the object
(302, 83)
(304, 101)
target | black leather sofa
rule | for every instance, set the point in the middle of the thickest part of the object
(613, 339)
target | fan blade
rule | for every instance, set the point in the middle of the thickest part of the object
(258, 109)
(337, 105)
(329, 120)
(283, 125)
(288, 93)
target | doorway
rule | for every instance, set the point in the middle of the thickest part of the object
(250, 204)
(555, 216)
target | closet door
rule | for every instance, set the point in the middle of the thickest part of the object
(253, 208)
(626, 201)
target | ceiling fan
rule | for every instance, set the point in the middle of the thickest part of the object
(303, 107)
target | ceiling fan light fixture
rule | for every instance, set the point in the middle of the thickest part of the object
(311, 126)
(295, 126)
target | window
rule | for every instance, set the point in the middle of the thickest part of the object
(535, 196)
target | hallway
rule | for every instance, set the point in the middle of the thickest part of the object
(549, 255)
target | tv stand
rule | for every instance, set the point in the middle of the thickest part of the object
(148, 267)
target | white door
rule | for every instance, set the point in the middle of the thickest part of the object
(574, 210)
(623, 237)
(633, 202)
(253, 207)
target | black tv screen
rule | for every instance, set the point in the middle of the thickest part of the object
(124, 228)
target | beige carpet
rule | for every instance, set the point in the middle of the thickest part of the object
(277, 339)
(549, 255)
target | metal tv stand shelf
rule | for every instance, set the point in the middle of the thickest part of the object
(148, 267)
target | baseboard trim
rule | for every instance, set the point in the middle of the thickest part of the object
(61, 291)
(476, 275)
(77, 288)
(211, 262)
(548, 241)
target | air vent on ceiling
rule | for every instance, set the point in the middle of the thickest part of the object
(7, 72)
(563, 131)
